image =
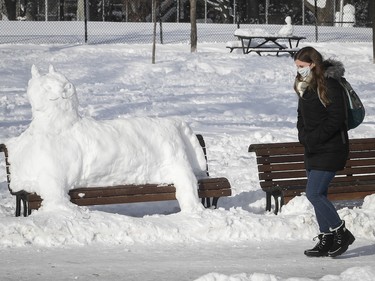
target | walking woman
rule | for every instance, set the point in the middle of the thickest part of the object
(323, 132)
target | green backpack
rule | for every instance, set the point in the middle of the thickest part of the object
(354, 106)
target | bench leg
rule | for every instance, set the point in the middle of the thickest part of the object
(206, 202)
(282, 202)
(268, 201)
(22, 198)
(279, 200)
(276, 199)
(275, 195)
(18, 205)
(214, 202)
(26, 211)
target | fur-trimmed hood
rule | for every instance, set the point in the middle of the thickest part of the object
(333, 69)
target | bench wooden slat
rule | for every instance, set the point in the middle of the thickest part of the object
(284, 164)
(287, 184)
(282, 175)
(119, 190)
(353, 171)
(214, 193)
(265, 159)
(213, 183)
(355, 195)
(119, 199)
(351, 192)
(354, 179)
(271, 173)
(281, 167)
(281, 149)
(277, 185)
(360, 162)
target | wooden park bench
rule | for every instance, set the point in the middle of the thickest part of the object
(209, 190)
(282, 172)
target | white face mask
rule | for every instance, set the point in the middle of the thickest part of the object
(304, 71)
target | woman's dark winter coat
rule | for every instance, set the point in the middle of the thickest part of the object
(322, 130)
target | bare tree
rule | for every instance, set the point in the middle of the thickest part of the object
(8, 9)
(3, 10)
(325, 16)
(193, 23)
(80, 10)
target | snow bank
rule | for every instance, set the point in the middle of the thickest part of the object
(365, 273)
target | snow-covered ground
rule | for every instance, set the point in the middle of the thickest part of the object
(233, 100)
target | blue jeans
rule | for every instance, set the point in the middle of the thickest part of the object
(316, 193)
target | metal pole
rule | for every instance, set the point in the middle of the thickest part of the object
(205, 11)
(316, 21)
(126, 11)
(154, 33)
(85, 15)
(46, 12)
(303, 12)
(153, 7)
(266, 11)
(160, 22)
(103, 15)
(178, 11)
(373, 31)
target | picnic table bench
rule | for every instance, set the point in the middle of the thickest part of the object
(266, 44)
(209, 190)
(282, 173)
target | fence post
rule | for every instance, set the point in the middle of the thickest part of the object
(154, 33)
(160, 23)
(85, 16)
(316, 21)
(373, 32)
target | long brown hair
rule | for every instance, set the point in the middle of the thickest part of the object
(310, 55)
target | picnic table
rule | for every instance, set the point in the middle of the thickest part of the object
(267, 43)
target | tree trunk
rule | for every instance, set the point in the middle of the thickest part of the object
(253, 11)
(325, 16)
(3, 10)
(80, 10)
(193, 23)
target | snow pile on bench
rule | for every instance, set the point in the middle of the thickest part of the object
(61, 150)
(251, 32)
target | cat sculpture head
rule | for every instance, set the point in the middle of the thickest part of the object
(52, 97)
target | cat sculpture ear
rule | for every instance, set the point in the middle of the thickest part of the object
(51, 69)
(34, 71)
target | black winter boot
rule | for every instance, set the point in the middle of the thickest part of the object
(324, 245)
(342, 239)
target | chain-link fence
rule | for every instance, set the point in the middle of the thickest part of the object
(130, 21)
